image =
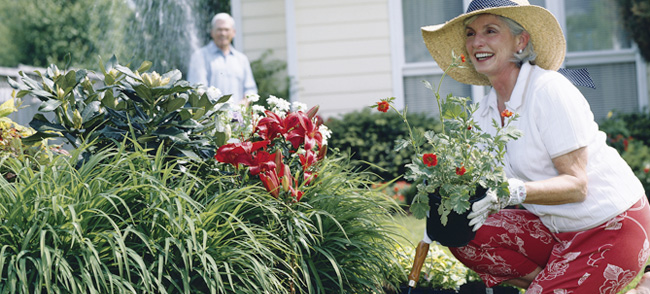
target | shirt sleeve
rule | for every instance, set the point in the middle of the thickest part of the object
(197, 72)
(565, 119)
(250, 87)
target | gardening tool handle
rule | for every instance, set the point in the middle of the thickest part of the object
(420, 255)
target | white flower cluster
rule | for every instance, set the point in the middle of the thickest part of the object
(278, 105)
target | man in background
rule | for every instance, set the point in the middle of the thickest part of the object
(219, 65)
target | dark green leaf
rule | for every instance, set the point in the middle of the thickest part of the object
(224, 98)
(113, 133)
(49, 105)
(174, 104)
(38, 137)
(91, 111)
(188, 124)
(42, 124)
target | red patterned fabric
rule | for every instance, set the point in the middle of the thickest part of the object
(513, 243)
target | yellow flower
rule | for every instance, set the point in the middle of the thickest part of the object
(153, 79)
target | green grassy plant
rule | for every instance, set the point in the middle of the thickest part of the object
(127, 223)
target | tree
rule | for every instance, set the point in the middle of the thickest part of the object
(636, 18)
(43, 32)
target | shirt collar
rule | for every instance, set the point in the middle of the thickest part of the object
(516, 98)
(214, 49)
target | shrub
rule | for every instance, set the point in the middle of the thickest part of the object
(638, 157)
(157, 110)
(628, 133)
(270, 76)
(148, 209)
(636, 17)
(369, 139)
(128, 223)
(12, 145)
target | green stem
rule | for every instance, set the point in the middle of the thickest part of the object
(444, 73)
(408, 126)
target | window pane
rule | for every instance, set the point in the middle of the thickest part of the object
(594, 25)
(421, 99)
(541, 3)
(419, 13)
(616, 89)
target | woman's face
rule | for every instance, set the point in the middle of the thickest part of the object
(491, 45)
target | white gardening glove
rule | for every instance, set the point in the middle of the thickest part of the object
(490, 203)
(482, 208)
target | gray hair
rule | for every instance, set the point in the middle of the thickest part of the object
(528, 53)
(223, 16)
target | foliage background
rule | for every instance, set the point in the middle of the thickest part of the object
(636, 19)
(369, 137)
(42, 32)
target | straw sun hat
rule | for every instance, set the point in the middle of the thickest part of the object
(545, 34)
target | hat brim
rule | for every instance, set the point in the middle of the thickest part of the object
(545, 34)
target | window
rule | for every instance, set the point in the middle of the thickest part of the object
(597, 41)
(594, 25)
(419, 65)
(595, 37)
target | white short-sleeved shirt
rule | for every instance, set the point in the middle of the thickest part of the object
(556, 119)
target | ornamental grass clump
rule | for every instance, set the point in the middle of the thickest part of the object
(455, 162)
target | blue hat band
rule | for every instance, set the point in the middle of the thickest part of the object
(484, 4)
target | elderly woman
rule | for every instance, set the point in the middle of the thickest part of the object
(584, 226)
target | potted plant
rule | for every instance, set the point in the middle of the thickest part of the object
(456, 166)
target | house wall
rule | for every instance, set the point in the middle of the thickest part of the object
(342, 59)
(343, 54)
(263, 27)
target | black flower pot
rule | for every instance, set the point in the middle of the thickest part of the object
(457, 232)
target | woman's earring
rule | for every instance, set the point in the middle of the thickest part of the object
(520, 51)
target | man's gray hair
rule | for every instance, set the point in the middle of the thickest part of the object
(223, 16)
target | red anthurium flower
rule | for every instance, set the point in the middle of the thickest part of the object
(506, 113)
(299, 195)
(239, 153)
(302, 130)
(311, 113)
(271, 182)
(322, 152)
(270, 126)
(308, 159)
(383, 106)
(430, 159)
(461, 170)
(262, 162)
(308, 177)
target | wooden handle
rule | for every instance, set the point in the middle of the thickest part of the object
(420, 255)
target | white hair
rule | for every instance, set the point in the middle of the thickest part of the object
(223, 16)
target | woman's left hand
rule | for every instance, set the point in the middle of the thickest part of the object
(491, 204)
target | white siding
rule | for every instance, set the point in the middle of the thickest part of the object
(343, 48)
(263, 27)
(343, 58)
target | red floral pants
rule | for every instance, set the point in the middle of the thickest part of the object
(513, 243)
